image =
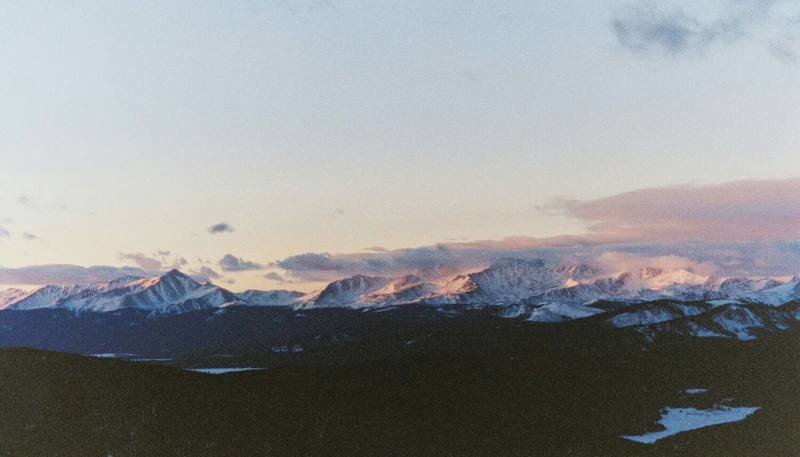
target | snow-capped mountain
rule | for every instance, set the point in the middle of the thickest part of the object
(269, 297)
(348, 292)
(586, 293)
(10, 296)
(777, 295)
(646, 284)
(172, 292)
(507, 282)
(407, 289)
(736, 287)
(45, 297)
(529, 289)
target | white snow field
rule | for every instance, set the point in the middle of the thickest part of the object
(677, 420)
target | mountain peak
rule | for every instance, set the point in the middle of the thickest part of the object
(175, 273)
(348, 291)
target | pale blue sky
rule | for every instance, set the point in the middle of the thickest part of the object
(331, 126)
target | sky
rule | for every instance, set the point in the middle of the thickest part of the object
(282, 144)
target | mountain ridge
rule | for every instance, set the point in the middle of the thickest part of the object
(524, 286)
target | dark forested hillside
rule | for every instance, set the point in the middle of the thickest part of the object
(460, 386)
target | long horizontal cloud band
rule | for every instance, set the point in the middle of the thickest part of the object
(743, 227)
(768, 258)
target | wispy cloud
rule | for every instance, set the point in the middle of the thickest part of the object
(204, 274)
(4, 233)
(222, 227)
(231, 263)
(647, 27)
(273, 276)
(29, 236)
(141, 260)
(741, 210)
(25, 200)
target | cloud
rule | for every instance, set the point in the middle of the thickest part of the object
(741, 227)
(29, 236)
(626, 261)
(230, 262)
(376, 249)
(222, 227)
(740, 210)
(179, 262)
(725, 258)
(728, 258)
(25, 200)
(66, 274)
(273, 276)
(4, 233)
(204, 274)
(646, 28)
(158, 261)
(143, 261)
(433, 261)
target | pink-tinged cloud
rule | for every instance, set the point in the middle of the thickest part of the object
(742, 227)
(614, 261)
(521, 242)
(734, 211)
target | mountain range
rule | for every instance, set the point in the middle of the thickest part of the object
(483, 344)
(531, 287)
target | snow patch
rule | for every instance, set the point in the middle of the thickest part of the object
(223, 370)
(677, 420)
(112, 355)
(695, 391)
(287, 348)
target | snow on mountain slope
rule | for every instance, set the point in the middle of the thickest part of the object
(45, 297)
(654, 284)
(348, 292)
(586, 293)
(736, 287)
(659, 279)
(407, 289)
(171, 292)
(739, 321)
(117, 283)
(549, 312)
(653, 313)
(556, 312)
(507, 282)
(776, 296)
(10, 296)
(269, 297)
(543, 291)
(645, 285)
